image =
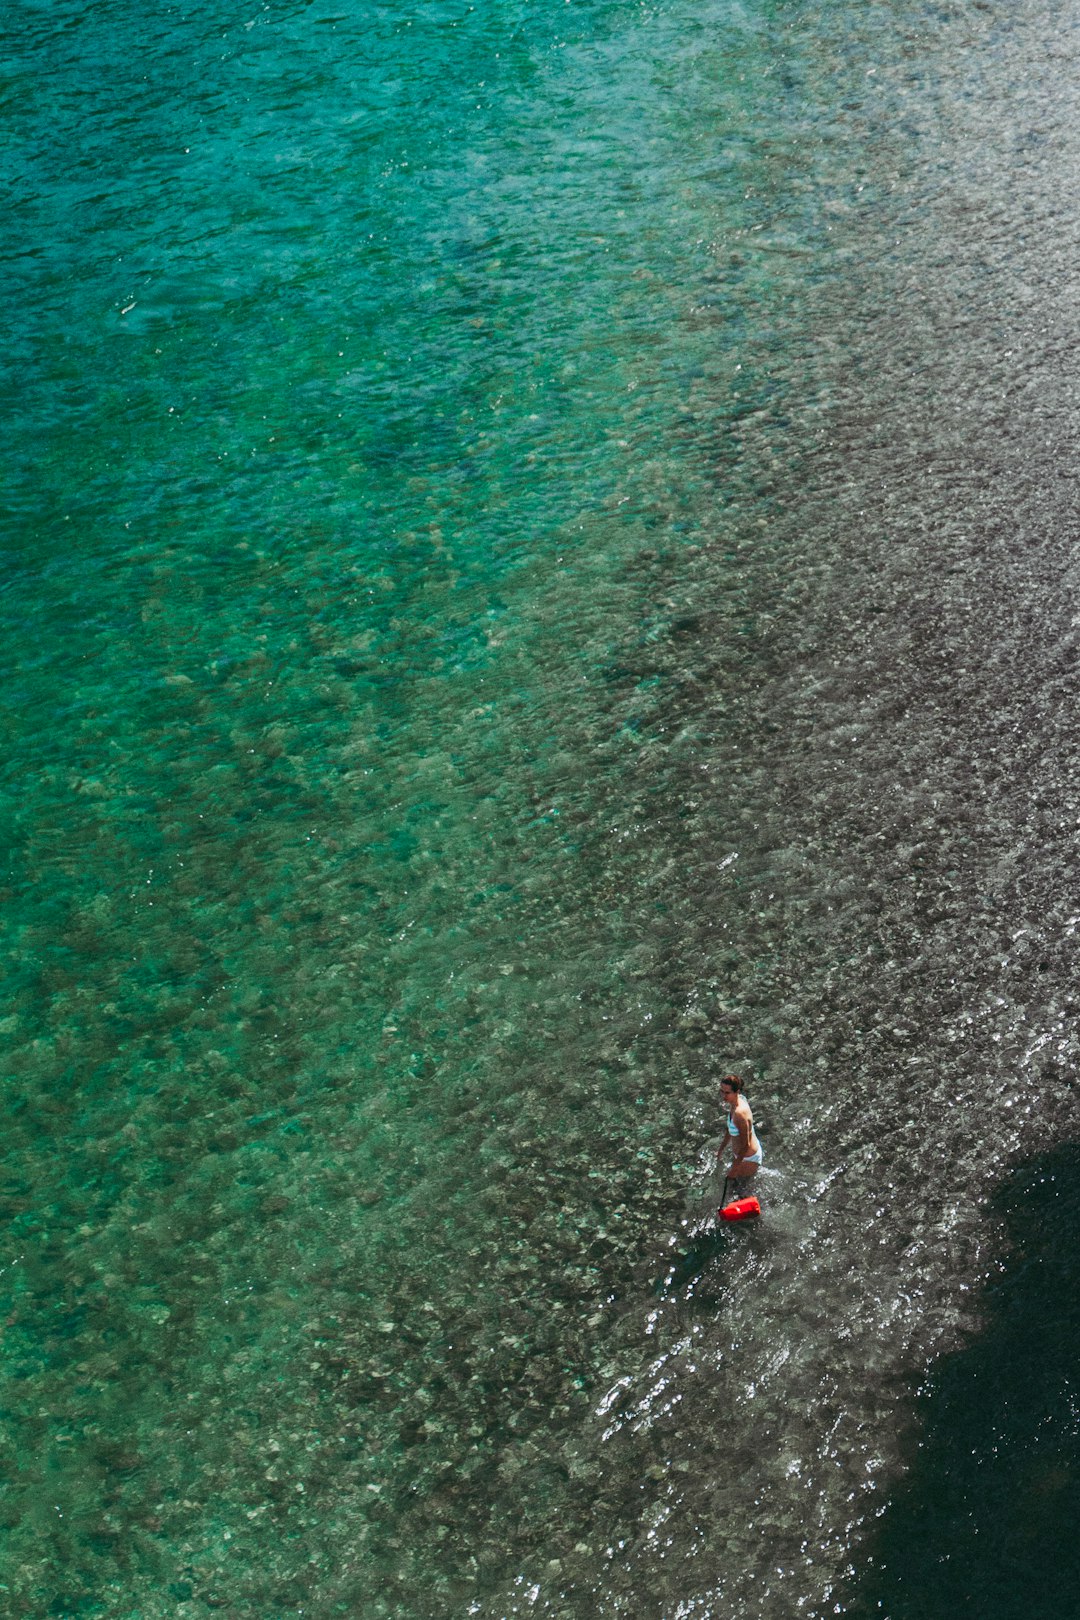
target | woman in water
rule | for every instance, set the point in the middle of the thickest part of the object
(745, 1147)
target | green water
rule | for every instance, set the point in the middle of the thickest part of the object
(467, 475)
(345, 462)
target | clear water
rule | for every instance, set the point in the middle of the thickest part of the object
(540, 570)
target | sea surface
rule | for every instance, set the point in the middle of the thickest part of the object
(541, 567)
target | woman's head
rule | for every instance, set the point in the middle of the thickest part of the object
(731, 1087)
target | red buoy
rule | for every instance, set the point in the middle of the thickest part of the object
(740, 1210)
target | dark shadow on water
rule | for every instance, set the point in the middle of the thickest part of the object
(691, 1262)
(697, 1272)
(987, 1522)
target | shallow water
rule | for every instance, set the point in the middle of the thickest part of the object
(541, 572)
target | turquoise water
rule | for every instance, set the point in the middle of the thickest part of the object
(520, 598)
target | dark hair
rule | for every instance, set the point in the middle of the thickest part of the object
(733, 1081)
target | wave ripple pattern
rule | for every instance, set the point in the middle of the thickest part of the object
(540, 571)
